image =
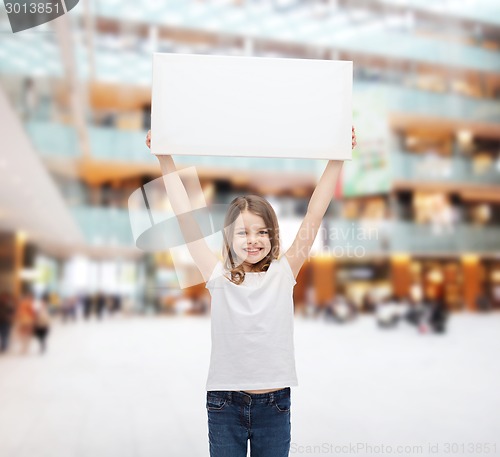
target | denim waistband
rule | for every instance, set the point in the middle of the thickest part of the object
(245, 397)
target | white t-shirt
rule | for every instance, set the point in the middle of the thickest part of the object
(252, 329)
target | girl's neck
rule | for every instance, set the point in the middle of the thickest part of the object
(248, 268)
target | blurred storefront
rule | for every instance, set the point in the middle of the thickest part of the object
(418, 209)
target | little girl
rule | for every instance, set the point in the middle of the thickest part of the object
(252, 364)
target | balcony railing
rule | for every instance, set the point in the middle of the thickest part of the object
(121, 145)
(429, 167)
(60, 141)
(339, 30)
(53, 140)
(439, 105)
(122, 62)
(487, 11)
(417, 238)
(110, 144)
(359, 238)
(104, 226)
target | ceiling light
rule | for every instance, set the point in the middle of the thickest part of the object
(464, 136)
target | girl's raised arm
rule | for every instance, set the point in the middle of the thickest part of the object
(202, 255)
(320, 199)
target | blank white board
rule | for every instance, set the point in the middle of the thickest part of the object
(251, 107)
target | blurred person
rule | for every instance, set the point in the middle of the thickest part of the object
(46, 296)
(54, 302)
(438, 316)
(403, 307)
(200, 304)
(495, 294)
(482, 302)
(116, 304)
(310, 307)
(25, 321)
(424, 323)
(100, 305)
(69, 308)
(88, 303)
(252, 363)
(128, 305)
(328, 310)
(146, 116)
(433, 316)
(414, 312)
(387, 313)
(30, 99)
(7, 314)
(391, 311)
(340, 310)
(369, 302)
(41, 325)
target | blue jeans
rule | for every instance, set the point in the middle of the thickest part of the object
(236, 417)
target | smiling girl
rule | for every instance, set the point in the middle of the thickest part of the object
(252, 362)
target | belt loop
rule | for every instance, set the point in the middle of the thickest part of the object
(271, 397)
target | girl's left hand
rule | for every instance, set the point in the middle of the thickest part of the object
(353, 137)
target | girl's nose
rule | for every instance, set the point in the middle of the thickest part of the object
(251, 239)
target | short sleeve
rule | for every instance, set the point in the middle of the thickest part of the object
(286, 268)
(216, 276)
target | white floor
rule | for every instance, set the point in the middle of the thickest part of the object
(134, 387)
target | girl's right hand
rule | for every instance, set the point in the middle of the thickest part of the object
(148, 139)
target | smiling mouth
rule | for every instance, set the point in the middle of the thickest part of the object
(253, 251)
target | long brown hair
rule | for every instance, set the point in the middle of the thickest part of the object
(260, 207)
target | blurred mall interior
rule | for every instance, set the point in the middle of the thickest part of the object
(416, 215)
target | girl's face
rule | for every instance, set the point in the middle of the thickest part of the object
(251, 241)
